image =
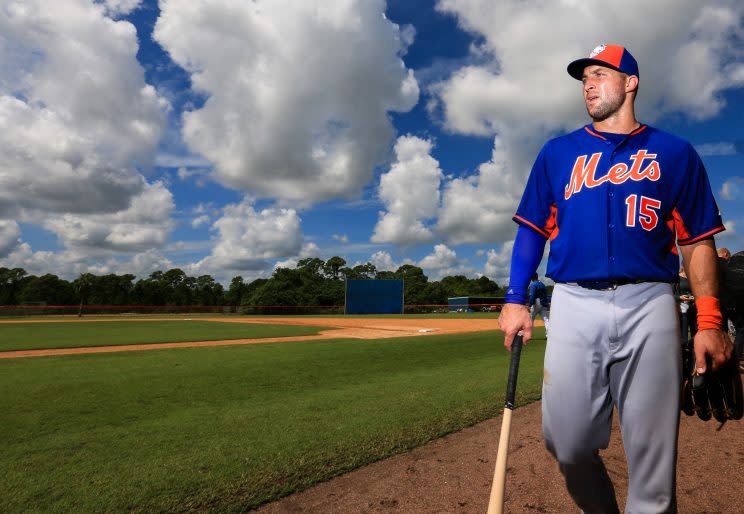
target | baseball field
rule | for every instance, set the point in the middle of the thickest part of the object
(206, 419)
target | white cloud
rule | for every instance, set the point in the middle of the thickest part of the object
(732, 188)
(522, 93)
(298, 92)
(69, 264)
(144, 224)
(479, 208)
(383, 261)
(308, 250)
(76, 115)
(443, 262)
(248, 239)
(709, 149)
(498, 264)
(78, 124)
(730, 227)
(199, 221)
(121, 7)
(341, 238)
(410, 191)
(9, 236)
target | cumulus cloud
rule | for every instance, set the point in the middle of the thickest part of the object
(200, 221)
(308, 250)
(410, 191)
(443, 262)
(298, 92)
(9, 236)
(732, 188)
(69, 264)
(383, 261)
(709, 149)
(144, 224)
(521, 92)
(78, 126)
(498, 263)
(248, 239)
(76, 115)
(479, 208)
(121, 7)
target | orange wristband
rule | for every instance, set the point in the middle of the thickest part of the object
(708, 313)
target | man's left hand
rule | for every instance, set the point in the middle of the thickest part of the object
(716, 344)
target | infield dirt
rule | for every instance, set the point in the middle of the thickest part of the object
(344, 328)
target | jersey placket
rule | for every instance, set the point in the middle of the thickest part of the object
(612, 222)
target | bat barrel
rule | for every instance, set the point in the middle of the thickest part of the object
(496, 500)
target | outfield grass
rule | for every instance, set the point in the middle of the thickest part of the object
(35, 336)
(227, 428)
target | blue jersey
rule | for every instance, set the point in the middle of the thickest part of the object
(615, 206)
(538, 291)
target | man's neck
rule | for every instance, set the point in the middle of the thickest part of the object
(621, 122)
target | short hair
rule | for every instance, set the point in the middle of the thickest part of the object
(534, 277)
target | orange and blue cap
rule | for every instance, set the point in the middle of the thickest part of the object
(612, 56)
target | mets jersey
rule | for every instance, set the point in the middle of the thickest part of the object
(538, 291)
(614, 206)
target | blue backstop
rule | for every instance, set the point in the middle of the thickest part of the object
(374, 297)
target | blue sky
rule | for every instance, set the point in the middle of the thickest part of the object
(229, 137)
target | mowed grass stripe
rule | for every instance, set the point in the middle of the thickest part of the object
(36, 336)
(227, 428)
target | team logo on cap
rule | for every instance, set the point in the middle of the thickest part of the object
(598, 50)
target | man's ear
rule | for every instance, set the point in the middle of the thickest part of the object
(631, 83)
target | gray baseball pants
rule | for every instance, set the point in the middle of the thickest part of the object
(614, 348)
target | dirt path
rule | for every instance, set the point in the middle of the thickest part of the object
(345, 328)
(453, 474)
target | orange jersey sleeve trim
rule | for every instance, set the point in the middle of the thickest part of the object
(701, 236)
(523, 221)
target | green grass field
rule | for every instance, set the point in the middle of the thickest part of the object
(35, 336)
(227, 428)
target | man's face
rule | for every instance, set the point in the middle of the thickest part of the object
(604, 91)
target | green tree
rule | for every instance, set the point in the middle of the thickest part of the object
(11, 281)
(234, 295)
(414, 284)
(333, 266)
(82, 286)
(49, 289)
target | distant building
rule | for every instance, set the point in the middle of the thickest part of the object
(475, 303)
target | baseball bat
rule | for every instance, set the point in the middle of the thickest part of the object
(496, 502)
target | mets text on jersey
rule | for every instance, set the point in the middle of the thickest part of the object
(583, 172)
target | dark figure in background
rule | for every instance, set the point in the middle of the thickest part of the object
(687, 309)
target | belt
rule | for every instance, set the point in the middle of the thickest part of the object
(606, 285)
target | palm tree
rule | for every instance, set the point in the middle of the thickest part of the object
(82, 287)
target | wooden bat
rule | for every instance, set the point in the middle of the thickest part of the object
(496, 502)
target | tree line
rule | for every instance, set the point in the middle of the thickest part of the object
(313, 282)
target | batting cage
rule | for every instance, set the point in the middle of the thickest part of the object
(374, 297)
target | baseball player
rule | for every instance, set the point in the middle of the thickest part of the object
(539, 302)
(613, 198)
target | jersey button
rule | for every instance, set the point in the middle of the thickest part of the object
(612, 225)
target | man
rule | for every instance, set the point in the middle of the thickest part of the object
(613, 198)
(728, 297)
(539, 302)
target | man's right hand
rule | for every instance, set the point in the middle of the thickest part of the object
(515, 318)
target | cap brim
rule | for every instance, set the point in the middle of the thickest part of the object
(576, 68)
